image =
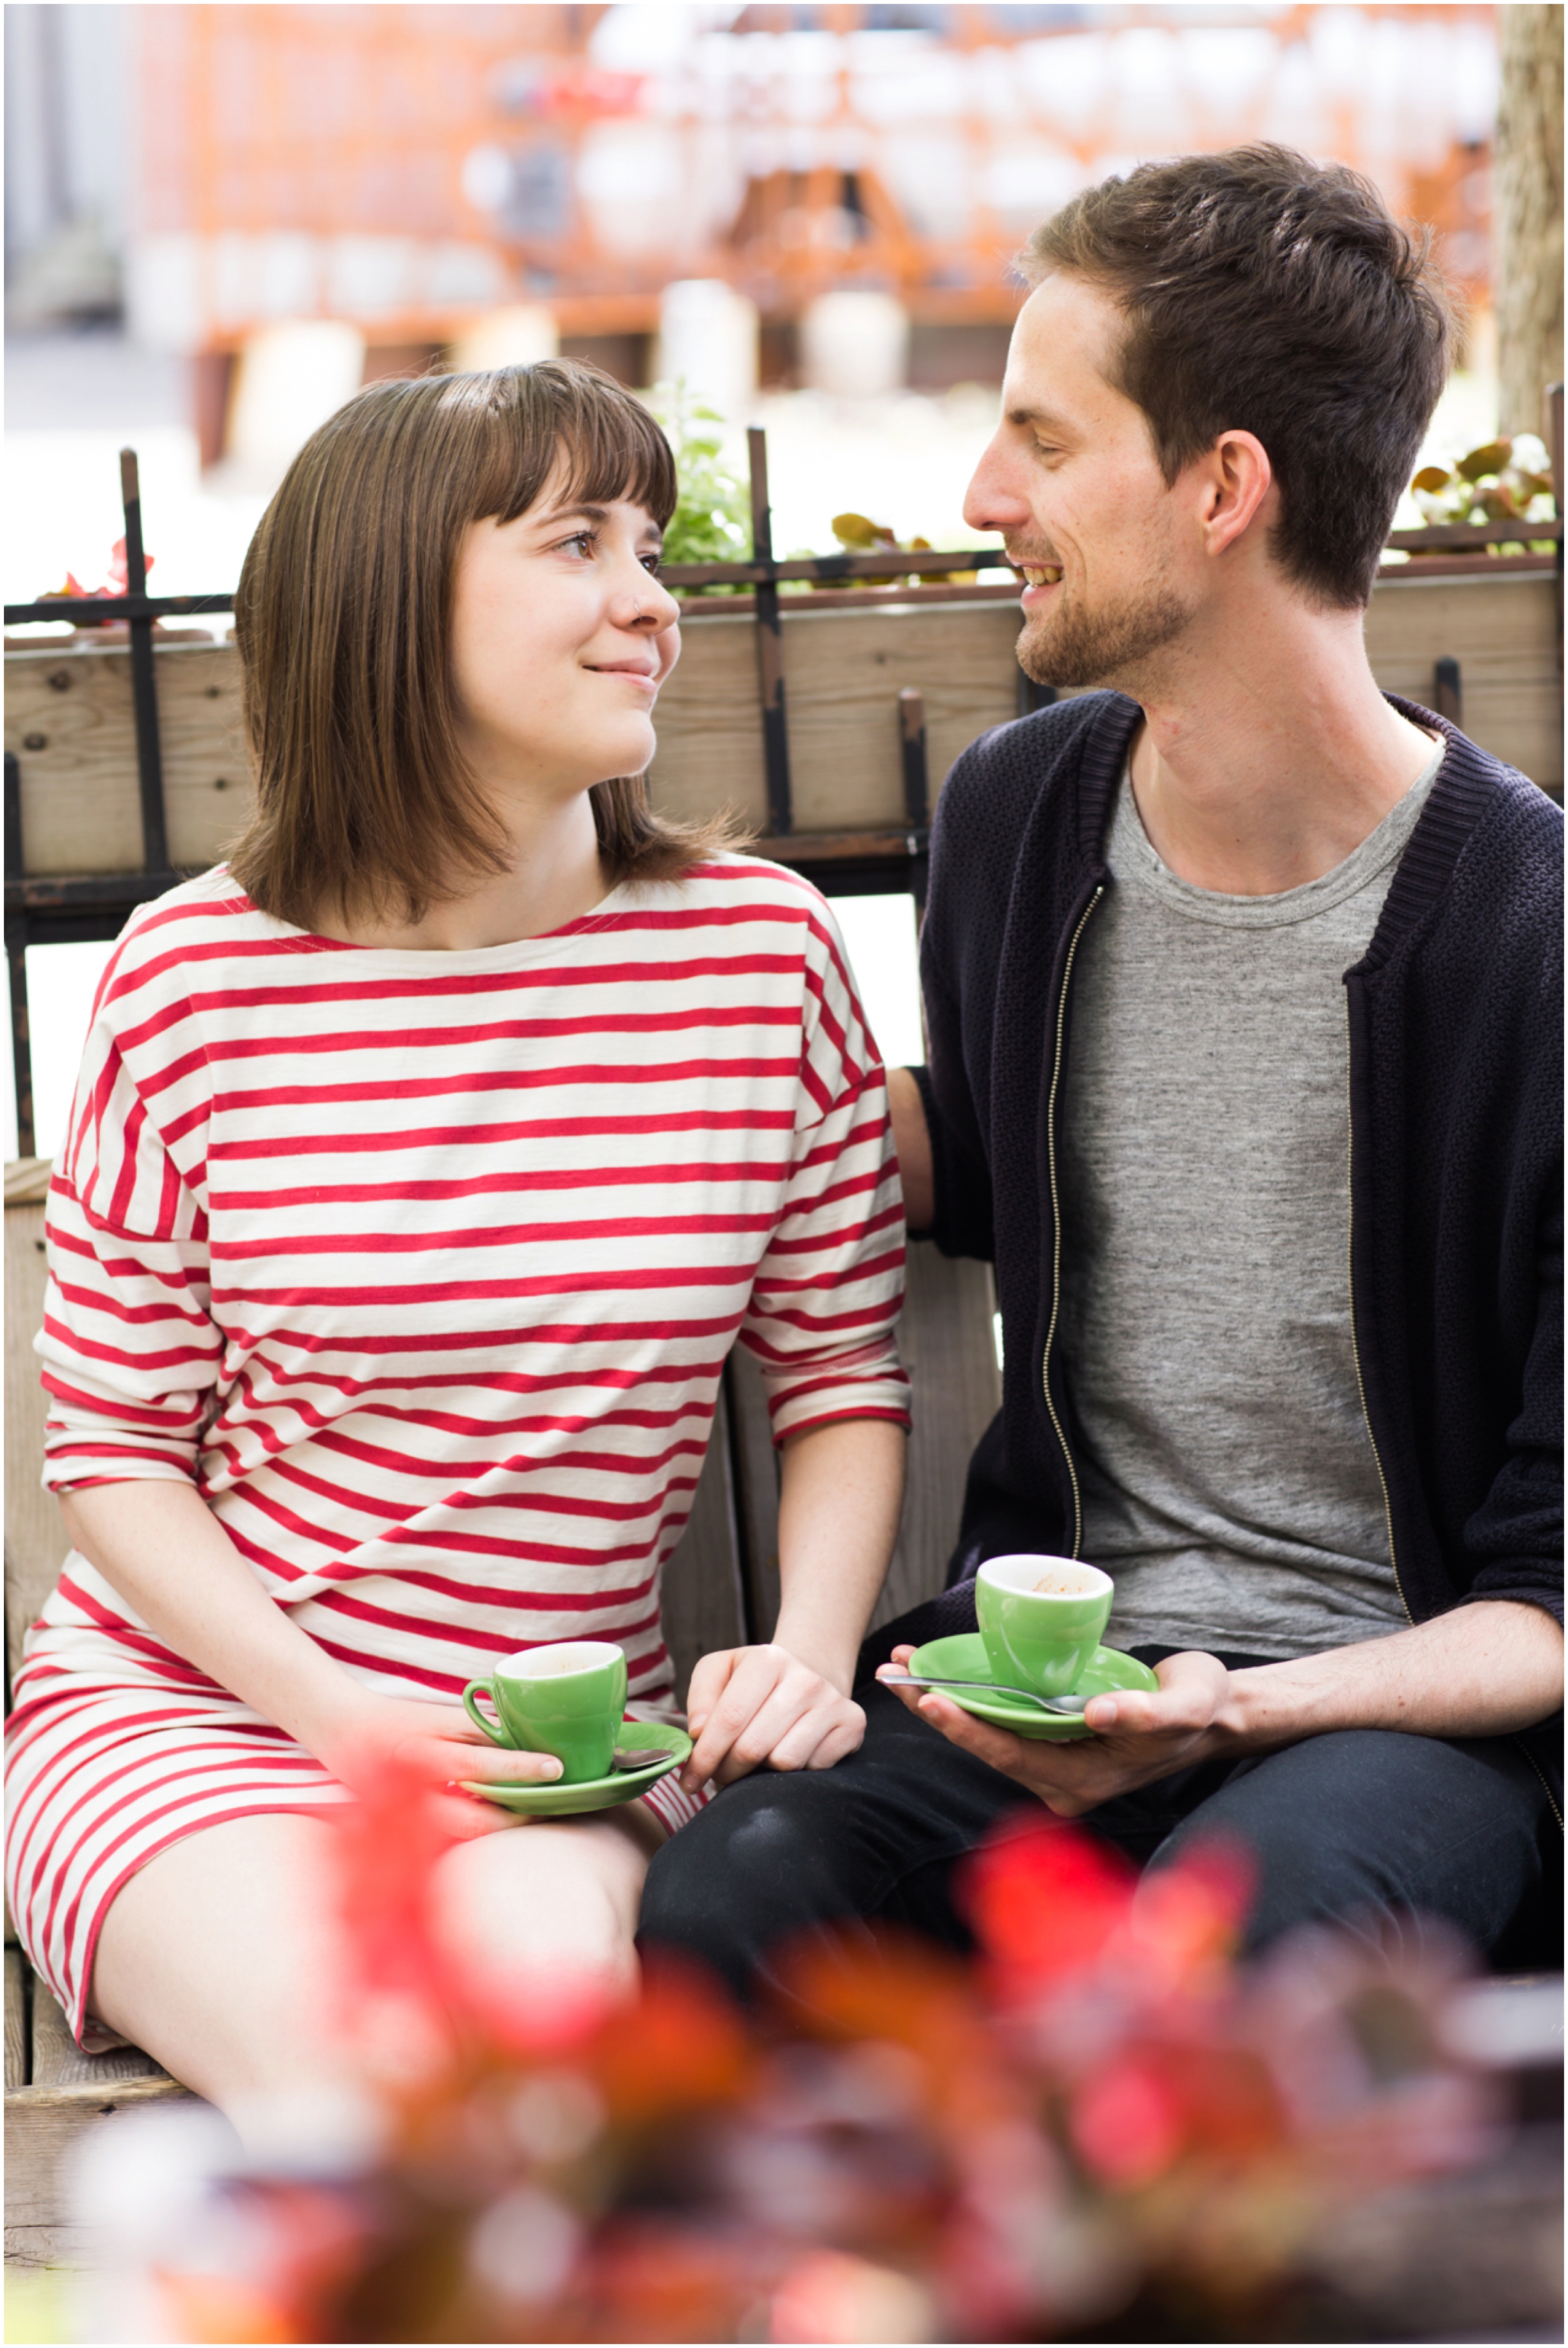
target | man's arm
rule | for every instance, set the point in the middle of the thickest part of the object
(1482, 1670)
(912, 1141)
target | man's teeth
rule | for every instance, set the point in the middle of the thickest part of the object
(1041, 574)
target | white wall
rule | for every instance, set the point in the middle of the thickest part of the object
(69, 96)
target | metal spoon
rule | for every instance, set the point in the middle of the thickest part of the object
(1072, 1705)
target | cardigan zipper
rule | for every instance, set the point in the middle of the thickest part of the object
(1367, 1416)
(1354, 1342)
(1056, 1219)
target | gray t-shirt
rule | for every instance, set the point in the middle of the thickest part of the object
(1228, 1478)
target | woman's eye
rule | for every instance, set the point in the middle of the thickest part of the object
(650, 563)
(580, 542)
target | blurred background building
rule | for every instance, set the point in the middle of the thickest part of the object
(759, 198)
(258, 207)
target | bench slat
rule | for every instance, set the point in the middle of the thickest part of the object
(756, 1470)
(36, 1543)
(58, 2060)
(42, 2124)
(16, 2020)
(702, 1584)
(949, 1345)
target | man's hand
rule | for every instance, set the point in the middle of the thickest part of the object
(751, 1704)
(1137, 1739)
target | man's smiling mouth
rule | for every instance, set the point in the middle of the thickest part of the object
(1040, 574)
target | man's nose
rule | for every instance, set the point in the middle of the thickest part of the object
(994, 500)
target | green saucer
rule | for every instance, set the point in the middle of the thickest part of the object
(666, 1749)
(964, 1658)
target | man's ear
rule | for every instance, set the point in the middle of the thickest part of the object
(1236, 478)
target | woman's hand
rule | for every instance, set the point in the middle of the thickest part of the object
(439, 1744)
(751, 1704)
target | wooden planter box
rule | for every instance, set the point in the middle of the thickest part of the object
(68, 717)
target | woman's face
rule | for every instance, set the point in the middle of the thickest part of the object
(561, 637)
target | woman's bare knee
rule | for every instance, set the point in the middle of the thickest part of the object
(553, 1904)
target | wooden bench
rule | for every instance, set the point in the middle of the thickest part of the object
(721, 1587)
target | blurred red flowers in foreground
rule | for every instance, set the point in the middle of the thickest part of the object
(1101, 2127)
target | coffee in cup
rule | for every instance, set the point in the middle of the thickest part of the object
(1042, 1619)
(568, 1699)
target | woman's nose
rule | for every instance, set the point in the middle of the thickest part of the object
(648, 606)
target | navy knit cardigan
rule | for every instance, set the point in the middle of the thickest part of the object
(1454, 1020)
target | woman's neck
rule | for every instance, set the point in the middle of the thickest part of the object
(554, 875)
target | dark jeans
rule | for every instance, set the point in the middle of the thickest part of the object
(1369, 1827)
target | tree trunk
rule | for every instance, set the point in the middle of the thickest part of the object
(1529, 215)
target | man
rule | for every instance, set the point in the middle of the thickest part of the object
(1242, 995)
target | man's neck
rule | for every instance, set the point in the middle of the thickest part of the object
(1268, 754)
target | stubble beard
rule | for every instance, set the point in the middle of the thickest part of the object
(1108, 645)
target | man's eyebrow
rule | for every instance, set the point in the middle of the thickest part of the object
(1027, 416)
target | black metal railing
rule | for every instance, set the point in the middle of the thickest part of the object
(54, 907)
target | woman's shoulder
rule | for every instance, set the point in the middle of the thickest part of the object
(199, 938)
(732, 886)
(210, 908)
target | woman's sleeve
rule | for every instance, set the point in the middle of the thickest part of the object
(827, 1294)
(130, 1352)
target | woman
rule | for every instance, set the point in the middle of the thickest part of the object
(425, 1161)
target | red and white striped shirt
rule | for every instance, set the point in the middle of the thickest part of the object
(422, 1267)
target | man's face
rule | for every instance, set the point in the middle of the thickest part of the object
(1072, 483)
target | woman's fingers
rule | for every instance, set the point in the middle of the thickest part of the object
(785, 1714)
(466, 1816)
(710, 1676)
(495, 1764)
(752, 1674)
(822, 1735)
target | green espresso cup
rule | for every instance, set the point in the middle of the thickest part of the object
(568, 1699)
(1042, 1619)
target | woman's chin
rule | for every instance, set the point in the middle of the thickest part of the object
(629, 752)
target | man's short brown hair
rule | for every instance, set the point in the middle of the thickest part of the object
(1266, 293)
(344, 622)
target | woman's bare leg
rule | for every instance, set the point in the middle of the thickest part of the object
(220, 1959)
(551, 1908)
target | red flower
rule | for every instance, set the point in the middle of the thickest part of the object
(1045, 1900)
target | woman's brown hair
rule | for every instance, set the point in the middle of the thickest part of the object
(344, 622)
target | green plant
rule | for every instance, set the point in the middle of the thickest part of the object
(1503, 480)
(860, 535)
(713, 518)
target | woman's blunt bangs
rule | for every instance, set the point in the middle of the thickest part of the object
(364, 803)
(562, 413)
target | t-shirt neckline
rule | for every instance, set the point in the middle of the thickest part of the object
(1383, 846)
